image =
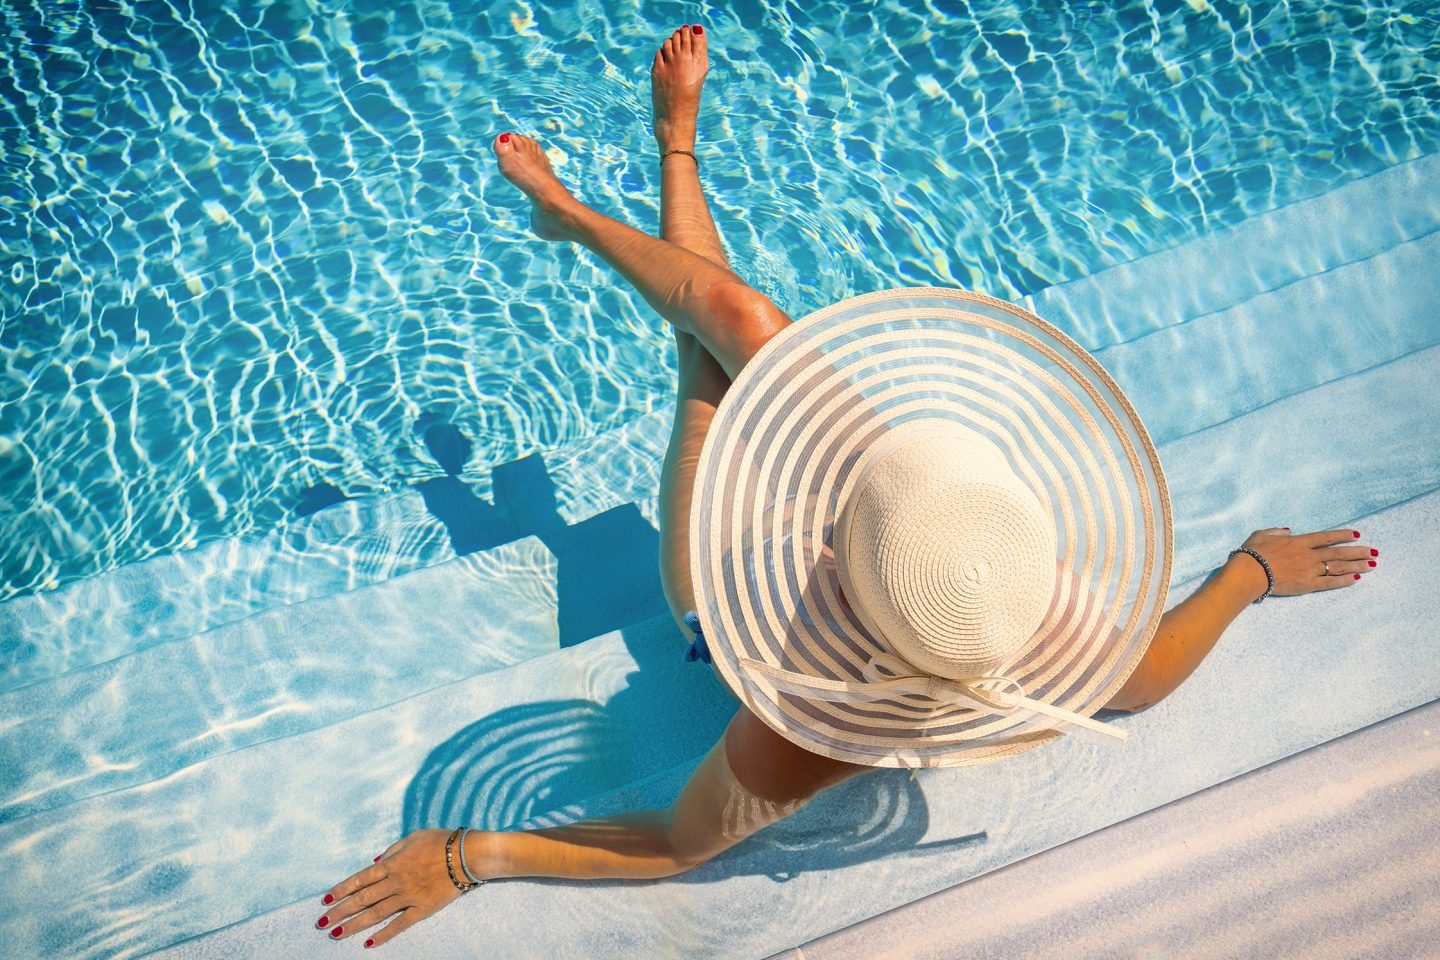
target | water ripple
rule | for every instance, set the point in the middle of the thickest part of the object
(242, 247)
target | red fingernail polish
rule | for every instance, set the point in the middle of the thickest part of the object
(1357, 576)
(1374, 553)
(504, 138)
(1372, 563)
(329, 898)
(337, 931)
(369, 943)
(1357, 534)
(377, 859)
(323, 923)
(699, 29)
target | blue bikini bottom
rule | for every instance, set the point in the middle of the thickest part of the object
(697, 649)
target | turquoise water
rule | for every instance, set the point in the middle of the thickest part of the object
(244, 247)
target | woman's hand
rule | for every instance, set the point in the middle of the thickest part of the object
(1298, 562)
(409, 879)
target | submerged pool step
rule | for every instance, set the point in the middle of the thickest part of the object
(343, 547)
(585, 720)
(287, 670)
(242, 833)
(879, 841)
(1354, 222)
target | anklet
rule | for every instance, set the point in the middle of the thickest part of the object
(686, 152)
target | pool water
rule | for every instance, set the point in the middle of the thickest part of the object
(243, 247)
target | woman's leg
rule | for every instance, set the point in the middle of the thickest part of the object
(676, 78)
(698, 296)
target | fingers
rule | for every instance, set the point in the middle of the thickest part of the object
(1363, 555)
(1336, 582)
(1327, 537)
(344, 911)
(407, 919)
(371, 874)
(367, 918)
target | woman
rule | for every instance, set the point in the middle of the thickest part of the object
(763, 769)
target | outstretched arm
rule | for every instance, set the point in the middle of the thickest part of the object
(712, 813)
(1190, 630)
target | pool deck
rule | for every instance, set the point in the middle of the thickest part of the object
(1333, 852)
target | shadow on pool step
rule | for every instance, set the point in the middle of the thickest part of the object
(608, 564)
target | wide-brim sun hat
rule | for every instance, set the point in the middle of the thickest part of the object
(985, 495)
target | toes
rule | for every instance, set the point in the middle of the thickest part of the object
(668, 48)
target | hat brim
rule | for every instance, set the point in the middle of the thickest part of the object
(791, 436)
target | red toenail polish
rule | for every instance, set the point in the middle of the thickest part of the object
(699, 29)
(1357, 534)
(323, 922)
(1371, 562)
(1357, 576)
(329, 898)
(377, 859)
(337, 931)
(369, 943)
(504, 138)
(1374, 553)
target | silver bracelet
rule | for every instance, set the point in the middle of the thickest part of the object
(1269, 574)
(463, 865)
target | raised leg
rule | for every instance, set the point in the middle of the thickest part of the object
(700, 297)
(676, 79)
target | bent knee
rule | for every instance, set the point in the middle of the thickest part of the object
(746, 310)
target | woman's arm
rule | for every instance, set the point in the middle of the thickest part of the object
(1189, 631)
(713, 812)
(634, 846)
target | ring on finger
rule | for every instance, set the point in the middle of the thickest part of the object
(1327, 567)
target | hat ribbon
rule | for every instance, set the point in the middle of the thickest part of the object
(906, 678)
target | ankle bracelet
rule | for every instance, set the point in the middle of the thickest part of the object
(686, 152)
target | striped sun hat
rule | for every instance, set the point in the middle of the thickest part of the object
(985, 495)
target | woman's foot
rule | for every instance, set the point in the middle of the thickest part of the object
(523, 163)
(676, 77)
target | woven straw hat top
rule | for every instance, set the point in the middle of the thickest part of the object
(985, 495)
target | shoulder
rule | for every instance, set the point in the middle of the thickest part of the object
(773, 768)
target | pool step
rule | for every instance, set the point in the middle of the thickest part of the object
(871, 844)
(340, 548)
(244, 832)
(285, 671)
(1352, 223)
(343, 547)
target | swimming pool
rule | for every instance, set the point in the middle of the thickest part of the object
(245, 248)
(244, 253)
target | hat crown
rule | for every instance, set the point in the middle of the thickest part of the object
(946, 554)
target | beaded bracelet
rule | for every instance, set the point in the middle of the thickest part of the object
(450, 864)
(1269, 575)
(686, 152)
